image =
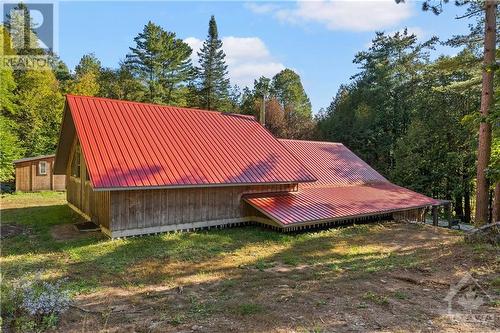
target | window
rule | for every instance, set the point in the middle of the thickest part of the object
(75, 164)
(42, 168)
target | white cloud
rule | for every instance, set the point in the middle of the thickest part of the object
(196, 45)
(261, 8)
(342, 15)
(417, 31)
(247, 58)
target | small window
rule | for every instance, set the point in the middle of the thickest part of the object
(42, 168)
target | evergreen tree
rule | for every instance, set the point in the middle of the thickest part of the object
(161, 62)
(212, 73)
(374, 111)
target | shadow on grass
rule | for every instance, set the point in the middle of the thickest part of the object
(236, 274)
(337, 262)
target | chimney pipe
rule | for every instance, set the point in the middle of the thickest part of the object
(262, 117)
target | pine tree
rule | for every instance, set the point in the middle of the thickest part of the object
(212, 73)
(162, 62)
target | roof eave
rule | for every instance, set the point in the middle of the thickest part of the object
(167, 187)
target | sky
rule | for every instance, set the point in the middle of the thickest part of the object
(317, 39)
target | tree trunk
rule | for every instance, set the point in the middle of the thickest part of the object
(484, 149)
(496, 205)
(459, 207)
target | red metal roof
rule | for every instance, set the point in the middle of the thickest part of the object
(332, 163)
(347, 187)
(324, 204)
(132, 145)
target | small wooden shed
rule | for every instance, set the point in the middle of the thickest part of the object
(37, 174)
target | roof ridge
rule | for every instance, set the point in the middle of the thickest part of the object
(312, 141)
(161, 105)
(321, 185)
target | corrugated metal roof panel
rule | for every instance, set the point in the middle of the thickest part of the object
(332, 163)
(323, 204)
(137, 145)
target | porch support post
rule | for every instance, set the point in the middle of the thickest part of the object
(435, 215)
(447, 208)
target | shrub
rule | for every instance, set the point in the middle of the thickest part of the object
(33, 304)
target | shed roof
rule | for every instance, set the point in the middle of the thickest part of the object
(332, 163)
(346, 187)
(35, 158)
(324, 204)
(129, 145)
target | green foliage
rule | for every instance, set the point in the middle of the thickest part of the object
(288, 109)
(7, 83)
(410, 118)
(161, 62)
(120, 84)
(287, 88)
(40, 106)
(9, 149)
(374, 111)
(87, 73)
(212, 73)
(436, 155)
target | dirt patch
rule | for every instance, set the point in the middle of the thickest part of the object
(65, 232)
(320, 296)
(11, 230)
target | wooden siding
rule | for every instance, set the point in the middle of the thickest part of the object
(94, 205)
(29, 180)
(153, 209)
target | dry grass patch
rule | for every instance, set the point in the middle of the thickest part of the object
(386, 276)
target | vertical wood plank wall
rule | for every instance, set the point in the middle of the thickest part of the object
(138, 209)
(23, 177)
(80, 194)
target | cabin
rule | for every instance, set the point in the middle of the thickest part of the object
(35, 174)
(137, 168)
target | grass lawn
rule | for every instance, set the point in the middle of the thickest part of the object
(388, 276)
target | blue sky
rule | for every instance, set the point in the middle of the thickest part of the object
(317, 39)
